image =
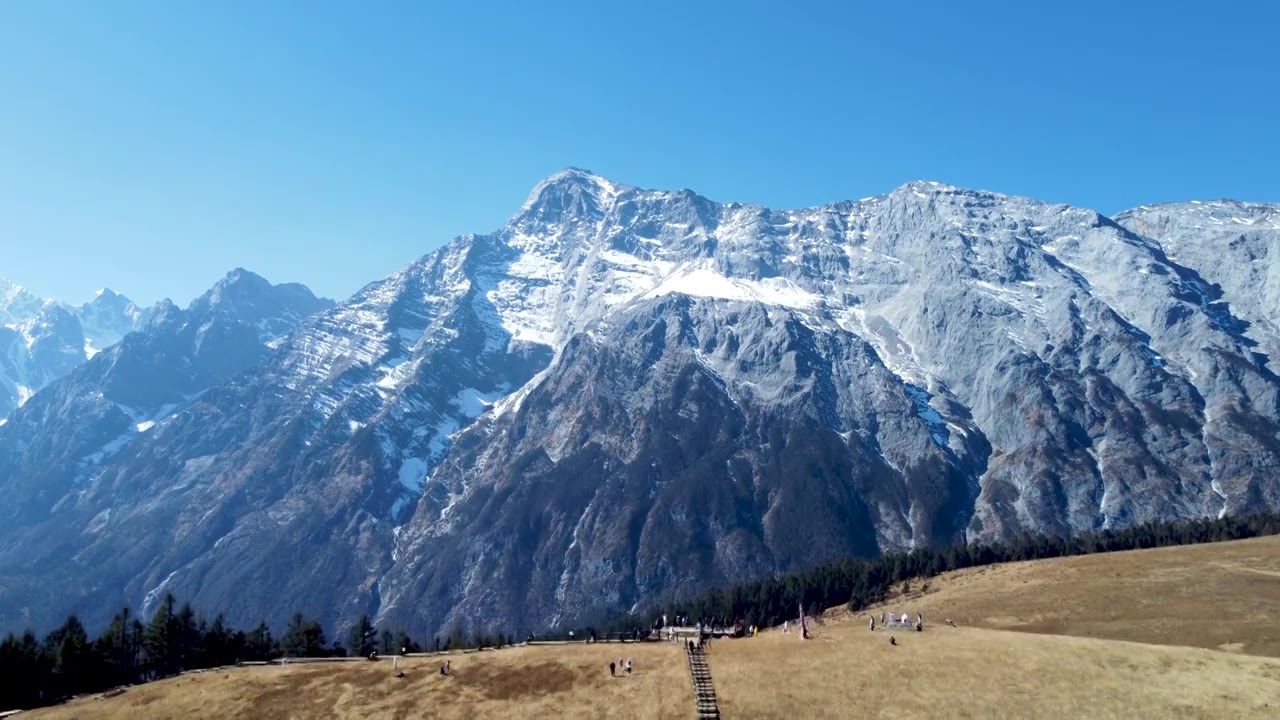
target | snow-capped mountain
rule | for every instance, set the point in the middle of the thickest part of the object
(17, 304)
(107, 318)
(59, 441)
(42, 340)
(625, 394)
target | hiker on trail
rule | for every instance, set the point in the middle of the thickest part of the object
(628, 666)
(612, 669)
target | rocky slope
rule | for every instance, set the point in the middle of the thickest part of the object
(57, 448)
(627, 394)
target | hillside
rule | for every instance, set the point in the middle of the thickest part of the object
(1220, 596)
(1139, 610)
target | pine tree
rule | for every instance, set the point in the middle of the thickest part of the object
(186, 637)
(258, 644)
(159, 641)
(360, 639)
(291, 643)
(303, 638)
(69, 656)
(404, 644)
(217, 642)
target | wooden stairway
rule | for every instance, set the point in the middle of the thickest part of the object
(704, 693)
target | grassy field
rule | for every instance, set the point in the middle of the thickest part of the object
(1188, 632)
(849, 672)
(1222, 596)
(534, 682)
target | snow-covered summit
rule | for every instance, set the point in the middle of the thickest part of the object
(17, 304)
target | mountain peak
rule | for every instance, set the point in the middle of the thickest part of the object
(572, 189)
(931, 188)
(238, 284)
(241, 275)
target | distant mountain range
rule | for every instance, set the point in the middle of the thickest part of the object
(42, 340)
(626, 395)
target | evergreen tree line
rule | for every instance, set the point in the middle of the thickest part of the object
(860, 582)
(364, 639)
(177, 638)
(35, 672)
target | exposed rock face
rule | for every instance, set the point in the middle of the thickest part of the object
(628, 394)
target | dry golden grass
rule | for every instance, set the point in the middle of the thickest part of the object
(535, 682)
(1223, 596)
(848, 672)
(1212, 598)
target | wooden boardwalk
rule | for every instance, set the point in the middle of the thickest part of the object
(704, 692)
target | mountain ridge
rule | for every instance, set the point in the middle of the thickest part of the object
(486, 435)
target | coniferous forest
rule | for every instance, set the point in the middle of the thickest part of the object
(860, 582)
(178, 638)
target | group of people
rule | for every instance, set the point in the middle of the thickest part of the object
(701, 643)
(620, 666)
(896, 622)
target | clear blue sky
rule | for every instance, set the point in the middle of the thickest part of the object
(152, 146)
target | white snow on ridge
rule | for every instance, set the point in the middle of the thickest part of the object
(705, 282)
(109, 449)
(473, 403)
(932, 418)
(1217, 489)
(412, 472)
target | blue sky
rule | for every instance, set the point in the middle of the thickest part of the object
(152, 146)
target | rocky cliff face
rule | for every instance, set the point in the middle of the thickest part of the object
(626, 394)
